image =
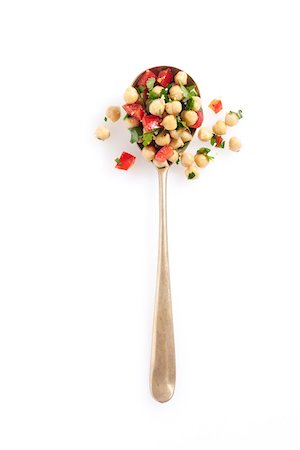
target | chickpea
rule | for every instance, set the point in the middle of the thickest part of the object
(131, 95)
(174, 107)
(113, 113)
(201, 160)
(157, 89)
(187, 159)
(205, 134)
(131, 122)
(169, 123)
(186, 136)
(160, 164)
(157, 107)
(176, 93)
(197, 103)
(192, 172)
(176, 134)
(177, 143)
(190, 117)
(174, 157)
(231, 119)
(220, 127)
(102, 133)
(235, 144)
(163, 138)
(148, 152)
(181, 78)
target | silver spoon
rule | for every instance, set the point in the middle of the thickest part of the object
(163, 364)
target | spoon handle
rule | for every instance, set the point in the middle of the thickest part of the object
(163, 368)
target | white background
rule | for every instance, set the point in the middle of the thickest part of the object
(79, 238)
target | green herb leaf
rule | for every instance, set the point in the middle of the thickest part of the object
(223, 144)
(203, 151)
(141, 89)
(147, 138)
(192, 91)
(191, 175)
(190, 104)
(136, 133)
(153, 95)
(185, 92)
(213, 139)
(118, 161)
(105, 119)
(181, 123)
(150, 83)
(177, 162)
(240, 114)
(126, 116)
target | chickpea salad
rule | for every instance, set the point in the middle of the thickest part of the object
(163, 110)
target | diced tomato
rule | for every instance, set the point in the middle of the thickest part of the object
(219, 141)
(199, 121)
(165, 77)
(145, 76)
(151, 122)
(135, 110)
(164, 153)
(216, 105)
(125, 161)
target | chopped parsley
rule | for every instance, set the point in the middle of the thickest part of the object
(153, 95)
(239, 113)
(191, 175)
(190, 104)
(188, 91)
(140, 89)
(147, 138)
(105, 119)
(126, 116)
(150, 83)
(205, 151)
(118, 161)
(136, 134)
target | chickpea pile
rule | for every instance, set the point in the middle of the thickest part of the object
(162, 113)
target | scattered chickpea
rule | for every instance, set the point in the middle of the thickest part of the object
(102, 133)
(231, 119)
(131, 122)
(131, 95)
(174, 107)
(148, 152)
(205, 134)
(187, 159)
(197, 103)
(113, 113)
(192, 172)
(174, 157)
(186, 136)
(190, 117)
(235, 144)
(157, 89)
(220, 127)
(201, 160)
(181, 78)
(157, 107)
(176, 93)
(163, 138)
(177, 143)
(169, 123)
(159, 164)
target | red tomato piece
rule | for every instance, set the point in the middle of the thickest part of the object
(135, 110)
(125, 161)
(199, 121)
(165, 77)
(151, 122)
(219, 141)
(145, 76)
(164, 153)
(216, 105)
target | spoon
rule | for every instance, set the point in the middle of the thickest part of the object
(163, 364)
